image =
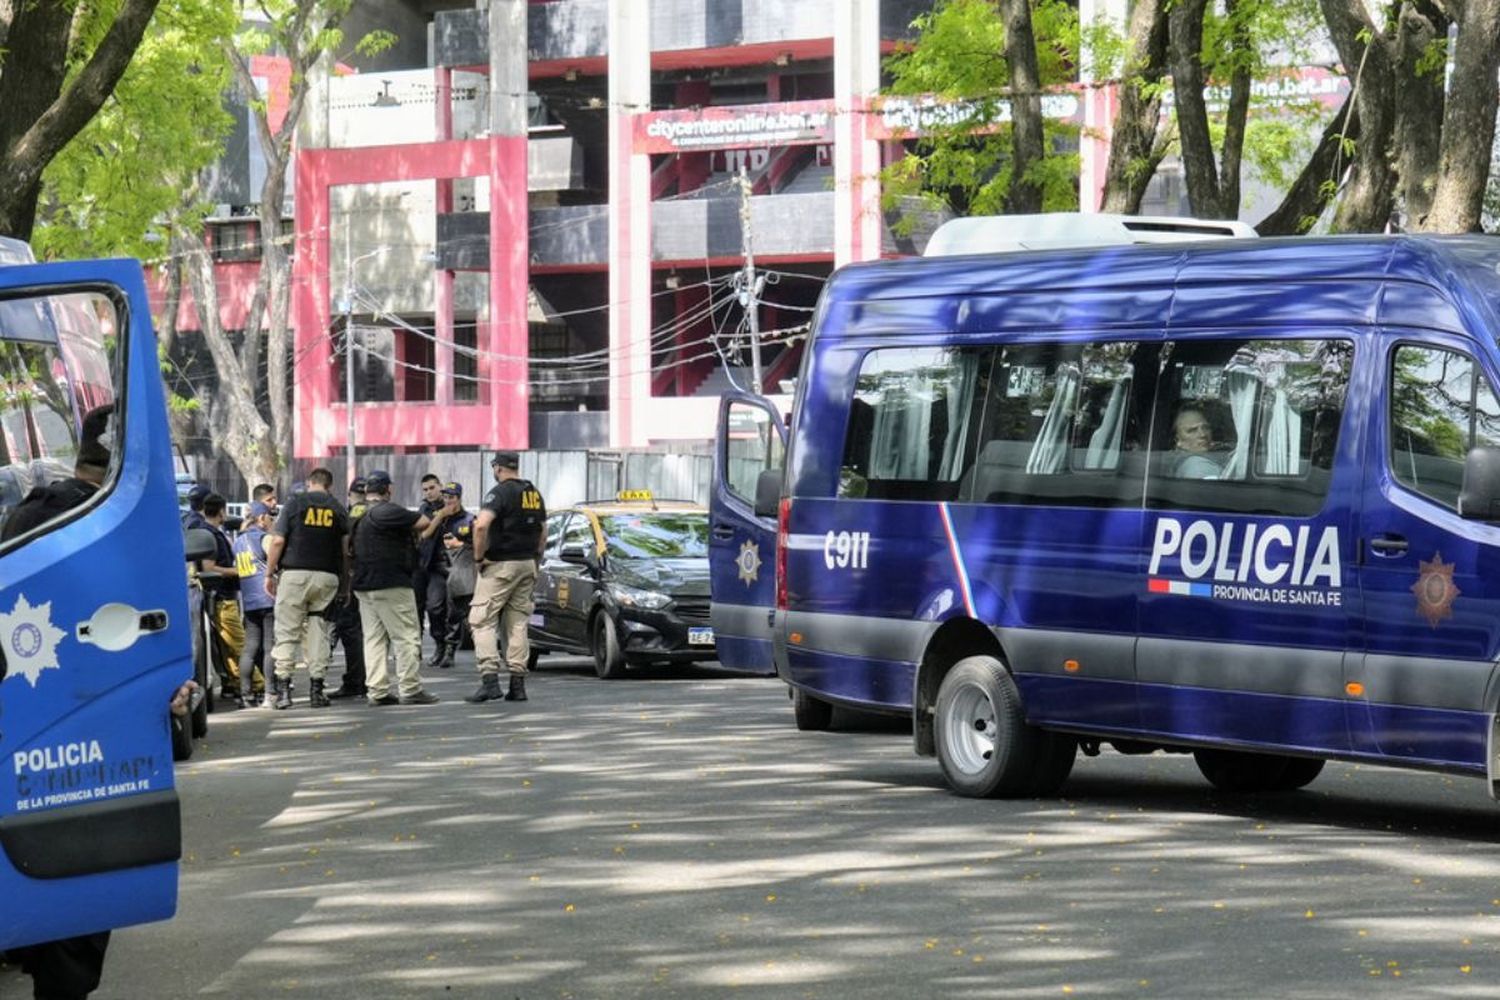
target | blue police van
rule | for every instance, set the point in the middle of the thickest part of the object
(94, 631)
(1238, 498)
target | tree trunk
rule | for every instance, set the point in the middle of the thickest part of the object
(38, 117)
(1368, 196)
(1133, 150)
(1241, 46)
(239, 431)
(1185, 50)
(1468, 121)
(1028, 145)
(1318, 182)
(166, 327)
(1419, 111)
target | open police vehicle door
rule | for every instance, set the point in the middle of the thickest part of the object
(751, 440)
(93, 606)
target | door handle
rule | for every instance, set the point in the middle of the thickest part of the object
(723, 532)
(114, 627)
(1388, 545)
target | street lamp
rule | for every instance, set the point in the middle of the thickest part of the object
(348, 310)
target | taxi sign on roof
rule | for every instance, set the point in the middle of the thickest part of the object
(627, 495)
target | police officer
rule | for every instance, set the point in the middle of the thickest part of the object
(221, 585)
(384, 551)
(347, 627)
(258, 606)
(509, 535)
(430, 581)
(454, 527)
(306, 569)
(194, 516)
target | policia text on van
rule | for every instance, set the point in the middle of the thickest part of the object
(1240, 498)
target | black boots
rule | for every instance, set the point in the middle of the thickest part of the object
(517, 690)
(489, 690)
(283, 689)
(316, 698)
(443, 657)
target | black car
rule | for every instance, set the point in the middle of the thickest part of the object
(626, 582)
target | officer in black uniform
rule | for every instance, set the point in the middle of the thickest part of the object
(509, 535)
(429, 581)
(347, 627)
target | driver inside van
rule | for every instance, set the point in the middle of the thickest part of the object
(1192, 455)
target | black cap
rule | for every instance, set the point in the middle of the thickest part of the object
(378, 481)
(358, 486)
(507, 459)
(198, 494)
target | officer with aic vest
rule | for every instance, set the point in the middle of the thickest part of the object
(509, 536)
(306, 569)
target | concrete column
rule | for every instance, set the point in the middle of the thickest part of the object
(442, 280)
(508, 343)
(1099, 105)
(856, 157)
(629, 224)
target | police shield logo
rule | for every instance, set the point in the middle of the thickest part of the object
(30, 639)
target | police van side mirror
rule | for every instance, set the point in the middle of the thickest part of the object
(1479, 499)
(199, 543)
(767, 493)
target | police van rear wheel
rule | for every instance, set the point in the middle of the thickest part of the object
(609, 661)
(813, 715)
(984, 745)
(1241, 772)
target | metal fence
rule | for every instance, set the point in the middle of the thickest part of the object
(564, 477)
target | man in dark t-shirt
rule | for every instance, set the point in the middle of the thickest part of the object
(508, 540)
(306, 569)
(383, 545)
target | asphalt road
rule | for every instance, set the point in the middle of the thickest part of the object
(675, 836)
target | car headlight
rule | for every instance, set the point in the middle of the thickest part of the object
(634, 597)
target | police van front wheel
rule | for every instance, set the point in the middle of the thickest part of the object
(984, 745)
(1237, 771)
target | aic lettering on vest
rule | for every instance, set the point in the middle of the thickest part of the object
(531, 500)
(1304, 556)
(319, 517)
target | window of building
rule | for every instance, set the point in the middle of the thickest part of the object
(231, 242)
(1062, 424)
(1441, 406)
(1248, 426)
(465, 363)
(909, 423)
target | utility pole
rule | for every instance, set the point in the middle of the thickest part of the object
(750, 288)
(349, 351)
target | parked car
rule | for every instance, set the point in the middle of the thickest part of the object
(626, 582)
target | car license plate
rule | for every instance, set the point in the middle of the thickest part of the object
(701, 636)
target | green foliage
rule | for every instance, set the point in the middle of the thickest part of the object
(959, 57)
(110, 191)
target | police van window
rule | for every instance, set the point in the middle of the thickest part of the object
(753, 446)
(909, 435)
(1248, 426)
(1061, 424)
(1441, 406)
(57, 376)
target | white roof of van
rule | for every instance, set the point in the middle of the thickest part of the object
(1056, 230)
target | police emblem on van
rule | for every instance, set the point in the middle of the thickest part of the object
(1435, 590)
(30, 639)
(749, 562)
